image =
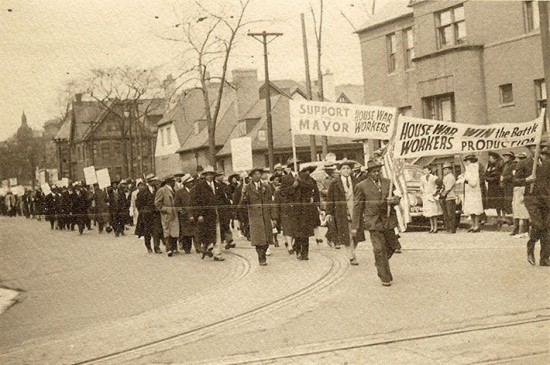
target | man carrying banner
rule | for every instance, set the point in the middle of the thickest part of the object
(537, 201)
(374, 201)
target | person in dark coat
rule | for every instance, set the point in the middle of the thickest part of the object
(80, 208)
(301, 209)
(339, 206)
(184, 205)
(149, 223)
(206, 199)
(225, 212)
(258, 199)
(506, 181)
(242, 214)
(100, 208)
(495, 193)
(524, 169)
(50, 208)
(373, 203)
(118, 207)
(537, 202)
(66, 206)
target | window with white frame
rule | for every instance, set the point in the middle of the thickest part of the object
(168, 135)
(391, 45)
(242, 128)
(451, 26)
(196, 127)
(405, 111)
(408, 45)
(540, 94)
(262, 135)
(531, 16)
(439, 107)
(506, 94)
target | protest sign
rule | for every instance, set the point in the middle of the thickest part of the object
(42, 177)
(64, 182)
(46, 189)
(241, 154)
(17, 190)
(13, 181)
(90, 175)
(342, 120)
(417, 137)
(103, 178)
(5, 183)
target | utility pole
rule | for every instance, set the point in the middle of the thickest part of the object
(92, 124)
(262, 37)
(58, 141)
(312, 143)
(545, 44)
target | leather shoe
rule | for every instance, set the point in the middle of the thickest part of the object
(218, 258)
(263, 263)
(545, 262)
(353, 262)
(531, 258)
(384, 283)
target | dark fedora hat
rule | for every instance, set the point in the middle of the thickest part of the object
(510, 154)
(374, 164)
(471, 158)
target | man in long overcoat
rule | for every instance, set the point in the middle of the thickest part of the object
(50, 207)
(188, 230)
(261, 213)
(101, 208)
(149, 223)
(117, 207)
(340, 205)
(373, 202)
(165, 202)
(206, 199)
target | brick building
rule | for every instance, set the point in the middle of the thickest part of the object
(476, 62)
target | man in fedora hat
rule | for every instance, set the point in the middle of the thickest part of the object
(284, 205)
(165, 203)
(374, 202)
(117, 207)
(340, 206)
(258, 198)
(448, 198)
(185, 212)
(149, 224)
(205, 203)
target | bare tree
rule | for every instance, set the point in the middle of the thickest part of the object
(208, 40)
(129, 94)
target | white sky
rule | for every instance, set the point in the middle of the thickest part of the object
(45, 43)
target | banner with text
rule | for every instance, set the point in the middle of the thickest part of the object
(417, 137)
(241, 154)
(342, 120)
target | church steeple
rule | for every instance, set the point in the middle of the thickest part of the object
(24, 120)
(24, 132)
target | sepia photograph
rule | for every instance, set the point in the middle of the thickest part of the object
(223, 182)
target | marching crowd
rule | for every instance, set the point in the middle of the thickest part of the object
(203, 210)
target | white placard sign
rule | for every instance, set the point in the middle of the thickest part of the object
(103, 178)
(64, 182)
(241, 154)
(46, 189)
(90, 175)
(13, 181)
(352, 121)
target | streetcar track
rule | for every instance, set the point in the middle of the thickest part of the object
(372, 343)
(333, 274)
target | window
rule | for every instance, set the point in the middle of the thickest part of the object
(408, 42)
(451, 27)
(405, 111)
(531, 15)
(162, 137)
(105, 150)
(116, 148)
(262, 135)
(168, 135)
(392, 50)
(439, 107)
(540, 92)
(196, 127)
(506, 94)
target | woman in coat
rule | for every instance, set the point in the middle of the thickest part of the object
(473, 203)
(258, 198)
(431, 208)
(495, 194)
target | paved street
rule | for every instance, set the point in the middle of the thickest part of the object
(458, 299)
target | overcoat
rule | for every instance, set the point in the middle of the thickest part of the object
(260, 213)
(299, 207)
(165, 203)
(473, 202)
(337, 207)
(495, 192)
(205, 204)
(507, 177)
(370, 201)
(50, 207)
(101, 208)
(149, 217)
(185, 213)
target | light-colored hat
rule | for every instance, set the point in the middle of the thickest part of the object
(447, 165)
(168, 178)
(277, 167)
(243, 174)
(187, 178)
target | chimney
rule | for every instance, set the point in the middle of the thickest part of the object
(248, 90)
(169, 93)
(78, 97)
(329, 89)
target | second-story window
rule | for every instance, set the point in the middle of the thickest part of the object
(439, 107)
(391, 45)
(531, 15)
(451, 26)
(506, 94)
(242, 128)
(408, 42)
(168, 136)
(540, 93)
(196, 127)
(162, 141)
